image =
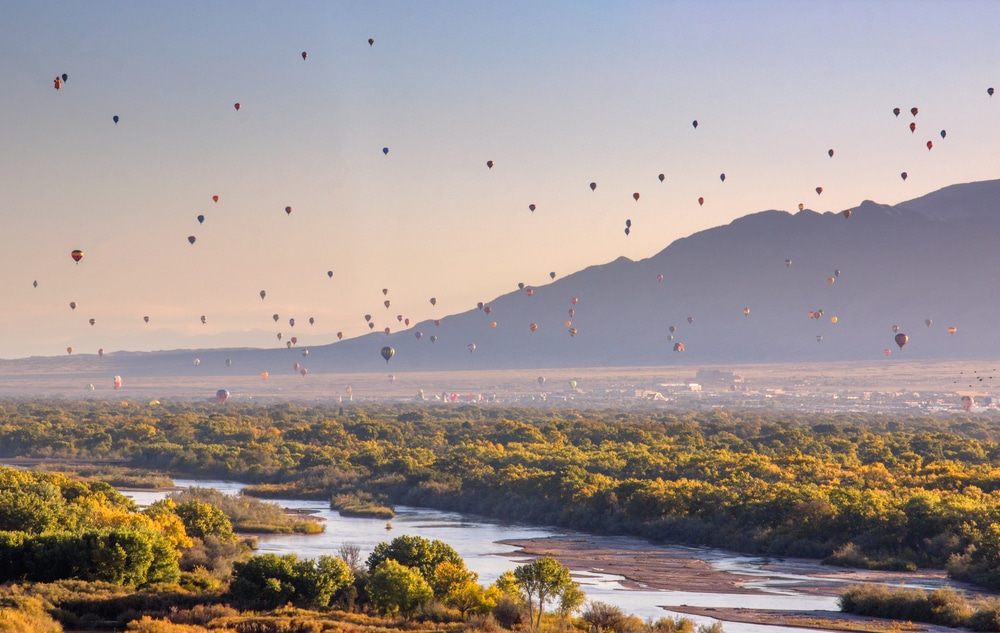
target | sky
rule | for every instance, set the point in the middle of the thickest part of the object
(557, 94)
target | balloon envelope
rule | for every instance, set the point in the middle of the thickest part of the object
(387, 353)
(901, 340)
(222, 395)
(77, 255)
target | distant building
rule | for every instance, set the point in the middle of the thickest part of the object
(718, 378)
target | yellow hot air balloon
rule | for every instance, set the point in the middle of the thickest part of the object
(833, 319)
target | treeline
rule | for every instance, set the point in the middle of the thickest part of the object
(945, 607)
(870, 491)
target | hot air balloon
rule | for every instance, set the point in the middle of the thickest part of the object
(72, 305)
(201, 219)
(788, 263)
(572, 384)
(989, 91)
(967, 402)
(830, 153)
(701, 201)
(296, 366)
(311, 320)
(928, 322)
(294, 340)
(191, 239)
(572, 313)
(93, 321)
(520, 286)
(222, 395)
(203, 319)
(846, 213)
(531, 208)
(895, 328)
(264, 375)
(229, 362)
(722, 177)
(275, 317)
(303, 372)
(472, 347)
(479, 306)
(489, 164)
(541, 380)
(593, 186)
(930, 144)
(278, 335)
(834, 319)
(329, 274)
(819, 338)
(370, 41)
(552, 275)
(830, 280)
(635, 196)
(887, 351)
(574, 300)
(896, 111)
(215, 199)
(572, 331)
(904, 175)
(819, 190)
(493, 324)
(672, 328)
(901, 339)
(434, 301)
(952, 330)
(146, 319)
(661, 177)
(386, 330)
(690, 319)
(387, 353)
(34, 283)
(913, 127)
(262, 295)
(801, 206)
(914, 111)
(399, 317)
(196, 362)
(340, 336)
(305, 352)
(77, 255)
(437, 323)
(288, 210)
(659, 277)
(57, 83)
(117, 382)
(237, 106)
(386, 303)
(385, 150)
(418, 335)
(304, 54)
(746, 311)
(533, 327)
(529, 291)
(678, 347)
(944, 133)
(69, 350)
(695, 124)
(836, 273)
(115, 119)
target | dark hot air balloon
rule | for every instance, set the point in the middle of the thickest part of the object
(304, 54)
(661, 177)
(222, 395)
(237, 106)
(695, 124)
(635, 196)
(387, 353)
(896, 111)
(531, 208)
(201, 219)
(115, 119)
(77, 255)
(191, 239)
(901, 339)
(489, 164)
(830, 153)
(593, 186)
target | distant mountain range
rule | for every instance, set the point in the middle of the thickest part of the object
(935, 257)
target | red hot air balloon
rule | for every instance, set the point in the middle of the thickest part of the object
(237, 106)
(701, 201)
(529, 291)
(222, 394)
(77, 255)
(914, 111)
(819, 190)
(304, 54)
(913, 127)
(635, 196)
(678, 347)
(846, 213)
(340, 336)
(901, 339)
(215, 199)
(930, 144)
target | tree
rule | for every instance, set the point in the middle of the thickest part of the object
(204, 519)
(417, 552)
(540, 582)
(270, 581)
(395, 588)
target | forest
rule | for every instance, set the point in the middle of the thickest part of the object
(855, 490)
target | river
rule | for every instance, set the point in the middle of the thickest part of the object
(478, 542)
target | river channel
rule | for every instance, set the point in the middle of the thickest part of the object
(479, 542)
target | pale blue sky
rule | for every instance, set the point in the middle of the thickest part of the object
(558, 94)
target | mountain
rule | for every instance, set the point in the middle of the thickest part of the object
(934, 257)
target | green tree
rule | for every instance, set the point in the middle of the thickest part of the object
(204, 519)
(540, 582)
(395, 588)
(415, 551)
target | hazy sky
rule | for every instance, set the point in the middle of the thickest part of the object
(557, 94)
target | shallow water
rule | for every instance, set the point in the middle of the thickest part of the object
(477, 541)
